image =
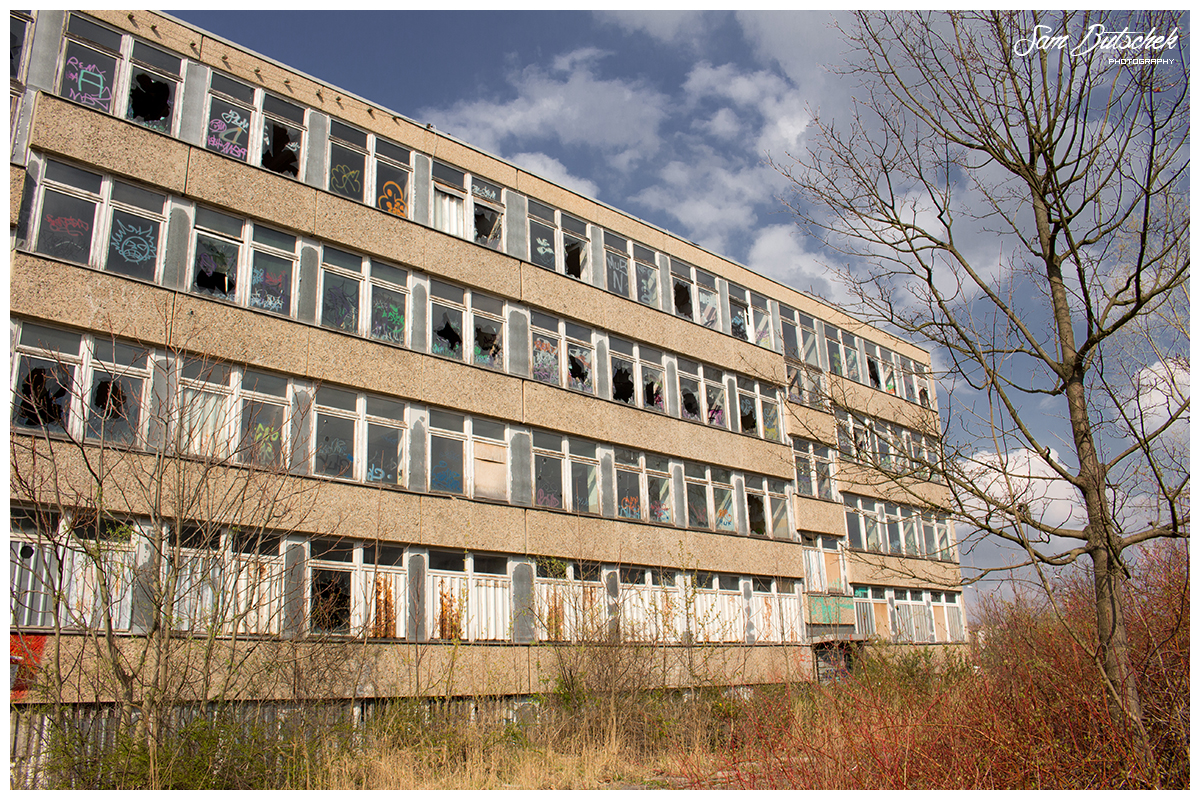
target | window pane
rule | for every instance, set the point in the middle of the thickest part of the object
(330, 611)
(446, 465)
(383, 455)
(346, 172)
(335, 446)
(758, 514)
(697, 505)
(132, 246)
(447, 331)
(88, 77)
(43, 394)
(659, 490)
(66, 227)
(281, 147)
(491, 470)
(770, 414)
(716, 404)
(748, 414)
(541, 245)
(574, 256)
(151, 99)
(228, 129)
(738, 313)
(202, 430)
(824, 480)
(548, 480)
(387, 315)
(629, 495)
(489, 342)
(113, 408)
(391, 189)
(683, 298)
(262, 433)
(723, 503)
(584, 487)
(652, 389)
(618, 273)
(689, 390)
(622, 381)
(762, 328)
(804, 482)
(271, 283)
(709, 305)
(339, 304)
(779, 517)
(545, 358)
(487, 226)
(448, 213)
(579, 368)
(647, 285)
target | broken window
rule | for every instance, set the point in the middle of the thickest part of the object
(842, 349)
(46, 367)
(336, 421)
(653, 388)
(385, 441)
(623, 390)
(391, 177)
(272, 269)
(616, 261)
(230, 108)
(330, 588)
(747, 407)
(88, 74)
(755, 505)
(681, 288)
(347, 160)
(714, 394)
(218, 245)
(709, 301)
(689, 389)
(585, 489)
(487, 314)
(547, 470)
(119, 374)
(579, 358)
(488, 211)
(446, 450)
(490, 450)
(804, 386)
(389, 303)
(153, 84)
(449, 199)
(547, 348)
(446, 320)
(739, 313)
(646, 273)
(544, 232)
(341, 276)
(282, 135)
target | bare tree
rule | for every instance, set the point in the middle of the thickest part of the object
(1011, 192)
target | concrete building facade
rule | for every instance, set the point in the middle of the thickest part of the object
(288, 366)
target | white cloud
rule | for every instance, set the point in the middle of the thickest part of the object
(1161, 390)
(778, 253)
(1022, 476)
(566, 104)
(552, 169)
(672, 27)
(768, 95)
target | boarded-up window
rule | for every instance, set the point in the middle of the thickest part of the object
(491, 471)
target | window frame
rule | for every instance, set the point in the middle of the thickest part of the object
(563, 227)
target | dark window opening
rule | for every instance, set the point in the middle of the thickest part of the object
(487, 226)
(758, 515)
(216, 267)
(280, 146)
(683, 299)
(447, 561)
(447, 336)
(748, 415)
(44, 396)
(622, 381)
(575, 257)
(491, 565)
(150, 101)
(330, 602)
(691, 402)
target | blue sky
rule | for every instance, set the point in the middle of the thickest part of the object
(667, 116)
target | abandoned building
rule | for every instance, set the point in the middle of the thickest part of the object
(290, 367)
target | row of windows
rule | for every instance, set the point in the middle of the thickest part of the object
(98, 388)
(91, 219)
(117, 73)
(888, 446)
(913, 615)
(78, 572)
(896, 529)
